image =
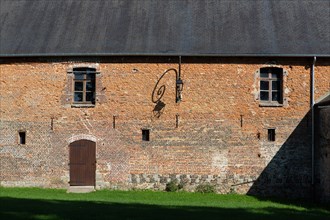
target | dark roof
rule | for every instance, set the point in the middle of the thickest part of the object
(165, 27)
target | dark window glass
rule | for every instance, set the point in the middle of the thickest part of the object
(275, 75)
(90, 86)
(90, 76)
(264, 96)
(79, 86)
(78, 96)
(264, 85)
(79, 76)
(264, 74)
(276, 85)
(275, 96)
(89, 96)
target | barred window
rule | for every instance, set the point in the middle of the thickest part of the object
(84, 85)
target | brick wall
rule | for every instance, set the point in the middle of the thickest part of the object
(217, 134)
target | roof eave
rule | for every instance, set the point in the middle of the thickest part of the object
(160, 54)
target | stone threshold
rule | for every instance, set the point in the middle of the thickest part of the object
(80, 189)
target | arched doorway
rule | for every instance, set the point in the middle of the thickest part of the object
(82, 163)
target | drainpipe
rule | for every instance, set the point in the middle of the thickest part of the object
(313, 119)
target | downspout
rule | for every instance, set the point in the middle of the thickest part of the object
(313, 120)
(179, 77)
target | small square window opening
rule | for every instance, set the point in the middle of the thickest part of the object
(22, 137)
(271, 134)
(145, 134)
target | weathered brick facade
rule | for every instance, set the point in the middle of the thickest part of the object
(216, 134)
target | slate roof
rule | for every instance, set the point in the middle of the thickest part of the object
(165, 27)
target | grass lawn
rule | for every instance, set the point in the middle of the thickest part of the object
(35, 203)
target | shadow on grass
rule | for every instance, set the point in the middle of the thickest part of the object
(12, 208)
(304, 203)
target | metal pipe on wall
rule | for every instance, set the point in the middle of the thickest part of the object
(313, 117)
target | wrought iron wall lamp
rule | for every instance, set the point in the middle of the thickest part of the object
(156, 96)
(179, 88)
(179, 83)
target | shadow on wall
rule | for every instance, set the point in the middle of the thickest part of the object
(289, 173)
(322, 152)
(159, 109)
(159, 91)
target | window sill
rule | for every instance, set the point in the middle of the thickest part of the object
(270, 104)
(82, 105)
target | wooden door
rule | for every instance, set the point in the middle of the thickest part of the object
(82, 163)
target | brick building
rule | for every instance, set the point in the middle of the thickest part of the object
(134, 94)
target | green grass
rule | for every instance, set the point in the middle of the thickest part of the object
(35, 203)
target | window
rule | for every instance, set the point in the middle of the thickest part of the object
(22, 137)
(271, 134)
(271, 85)
(145, 134)
(84, 85)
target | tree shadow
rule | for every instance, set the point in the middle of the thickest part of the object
(14, 208)
(289, 173)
